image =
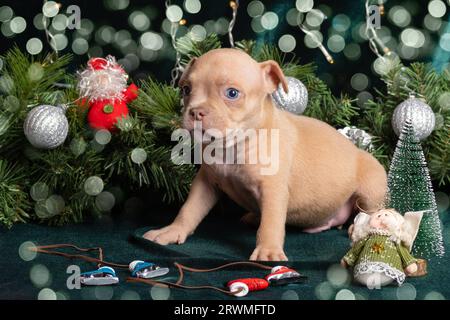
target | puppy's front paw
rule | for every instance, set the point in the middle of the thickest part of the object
(167, 235)
(264, 253)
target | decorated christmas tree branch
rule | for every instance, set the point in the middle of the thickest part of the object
(14, 202)
(428, 87)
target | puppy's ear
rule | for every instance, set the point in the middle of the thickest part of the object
(273, 76)
(186, 70)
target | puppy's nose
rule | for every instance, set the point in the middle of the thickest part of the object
(197, 114)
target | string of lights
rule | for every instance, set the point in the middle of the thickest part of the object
(371, 33)
(234, 6)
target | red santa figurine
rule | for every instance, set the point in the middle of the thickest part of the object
(103, 85)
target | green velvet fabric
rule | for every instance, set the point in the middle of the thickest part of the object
(218, 240)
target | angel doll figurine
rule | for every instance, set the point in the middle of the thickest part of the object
(381, 244)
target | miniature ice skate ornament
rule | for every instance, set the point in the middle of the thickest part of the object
(101, 277)
(146, 270)
(281, 275)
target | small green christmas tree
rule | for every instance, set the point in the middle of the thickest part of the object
(410, 189)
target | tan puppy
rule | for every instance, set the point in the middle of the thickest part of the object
(320, 172)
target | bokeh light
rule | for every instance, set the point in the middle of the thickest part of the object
(412, 37)
(116, 4)
(341, 22)
(437, 8)
(60, 22)
(151, 40)
(34, 46)
(352, 51)
(18, 24)
(442, 201)
(6, 84)
(314, 18)
(6, 13)
(310, 41)
(406, 292)
(40, 276)
(444, 101)
(399, 16)
(50, 9)
(294, 17)
(41, 210)
(80, 46)
(324, 291)
(363, 97)
(138, 155)
(192, 6)
(60, 295)
(336, 43)
(444, 42)
(86, 28)
(197, 33)
(105, 35)
(174, 13)
(439, 121)
(130, 295)
(256, 25)
(432, 23)
(105, 201)
(359, 81)
(304, 5)
(337, 275)
(382, 65)
(11, 103)
(104, 292)
(93, 185)
(6, 29)
(139, 20)
(269, 20)
(287, 43)
(345, 294)
(39, 191)
(255, 8)
(289, 295)
(38, 21)
(26, 252)
(160, 292)
(434, 295)
(46, 294)
(35, 72)
(59, 42)
(78, 146)
(55, 204)
(102, 136)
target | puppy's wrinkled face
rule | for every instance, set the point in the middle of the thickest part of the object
(226, 88)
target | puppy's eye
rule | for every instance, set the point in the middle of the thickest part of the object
(186, 90)
(232, 93)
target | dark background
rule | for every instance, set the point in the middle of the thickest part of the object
(100, 13)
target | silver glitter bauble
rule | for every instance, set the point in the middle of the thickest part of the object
(46, 126)
(421, 115)
(359, 137)
(296, 100)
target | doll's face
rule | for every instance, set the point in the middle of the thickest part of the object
(383, 219)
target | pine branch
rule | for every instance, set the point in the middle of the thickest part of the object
(189, 48)
(14, 201)
(160, 103)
